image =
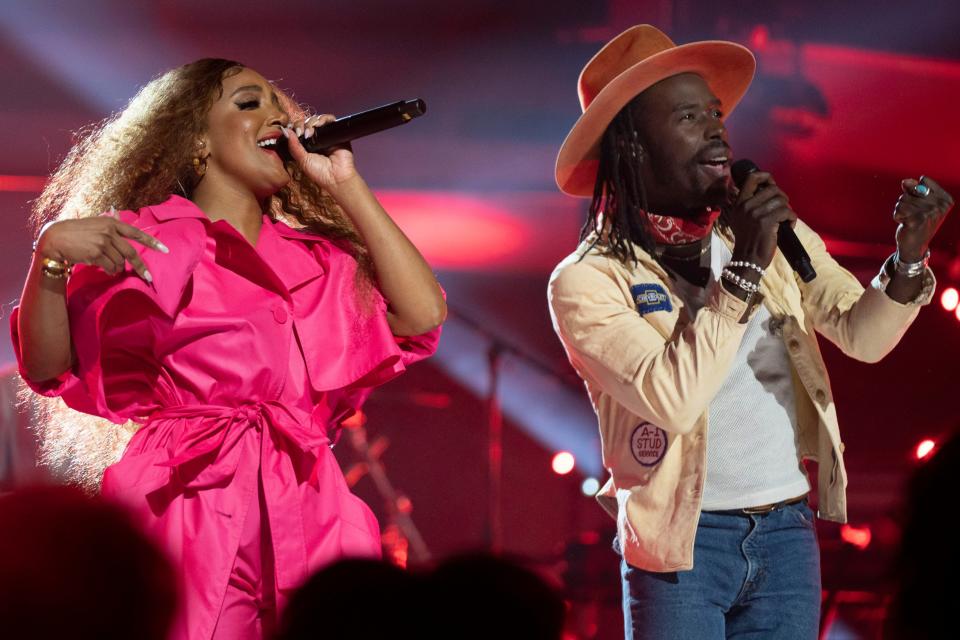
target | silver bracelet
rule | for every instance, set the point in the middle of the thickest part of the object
(743, 283)
(46, 225)
(748, 265)
(910, 269)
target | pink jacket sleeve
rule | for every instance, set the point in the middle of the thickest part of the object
(112, 322)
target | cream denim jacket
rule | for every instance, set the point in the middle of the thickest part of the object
(651, 373)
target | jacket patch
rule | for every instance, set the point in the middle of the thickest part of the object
(650, 298)
(648, 443)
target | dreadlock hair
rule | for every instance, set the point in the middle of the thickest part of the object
(619, 194)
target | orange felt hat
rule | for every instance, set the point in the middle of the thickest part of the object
(636, 59)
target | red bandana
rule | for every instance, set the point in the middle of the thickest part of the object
(673, 230)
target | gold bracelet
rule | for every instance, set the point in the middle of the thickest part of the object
(55, 269)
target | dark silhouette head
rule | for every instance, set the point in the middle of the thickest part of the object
(76, 567)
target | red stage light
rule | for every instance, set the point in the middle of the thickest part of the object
(589, 537)
(458, 230)
(949, 298)
(857, 536)
(357, 420)
(759, 37)
(22, 184)
(925, 448)
(563, 463)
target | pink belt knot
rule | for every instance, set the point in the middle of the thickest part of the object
(211, 449)
(207, 429)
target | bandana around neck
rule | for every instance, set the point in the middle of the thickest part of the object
(673, 230)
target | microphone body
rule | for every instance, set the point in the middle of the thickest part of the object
(343, 130)
(787, 240)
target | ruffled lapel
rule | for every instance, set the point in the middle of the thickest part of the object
(283, 250)
(288, 252)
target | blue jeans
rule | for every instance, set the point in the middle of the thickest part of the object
(754, 577)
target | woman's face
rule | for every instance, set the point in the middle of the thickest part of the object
(246, 114)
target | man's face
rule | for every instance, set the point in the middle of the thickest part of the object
(686, 163)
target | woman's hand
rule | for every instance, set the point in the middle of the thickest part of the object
(403, 276)
(102, 241)
(328, 171)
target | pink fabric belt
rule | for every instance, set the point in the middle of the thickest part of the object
(213, 427)
(217, 432)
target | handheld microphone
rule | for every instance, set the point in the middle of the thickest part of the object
(787, 239)
(357, 125)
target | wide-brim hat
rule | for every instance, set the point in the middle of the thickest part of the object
(635, 60)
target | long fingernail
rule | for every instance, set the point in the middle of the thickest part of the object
(147, 276)
(299, 131)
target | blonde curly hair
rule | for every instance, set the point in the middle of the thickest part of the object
(138, 157)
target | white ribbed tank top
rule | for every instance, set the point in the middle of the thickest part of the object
(751, 439)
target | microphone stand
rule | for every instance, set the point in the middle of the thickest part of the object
(494, 451)
(398, 505)
(494, 415)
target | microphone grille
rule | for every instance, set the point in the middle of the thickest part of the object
(741, 169)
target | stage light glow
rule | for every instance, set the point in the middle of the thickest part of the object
(760, 37)
(590, 486)
(589, 537)
(949, 298)
(458, 230)
(22, 184)
(957, 312)
(563, 463)
(355, 421)
(925, 448)
(857, 536)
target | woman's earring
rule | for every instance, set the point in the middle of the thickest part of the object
(200, 162)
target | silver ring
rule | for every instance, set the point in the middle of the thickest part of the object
(922, 190)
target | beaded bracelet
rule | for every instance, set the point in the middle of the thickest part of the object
(748, 265)
(743, 283)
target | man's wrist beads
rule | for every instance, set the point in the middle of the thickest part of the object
(739, 281)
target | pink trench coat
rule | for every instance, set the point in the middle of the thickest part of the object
(240, 361)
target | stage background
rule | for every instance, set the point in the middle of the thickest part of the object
(849, 99)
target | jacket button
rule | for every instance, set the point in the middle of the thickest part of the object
(842, 447)
(279, 314)
(820, 395)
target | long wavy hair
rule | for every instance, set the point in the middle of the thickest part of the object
(138, 157)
